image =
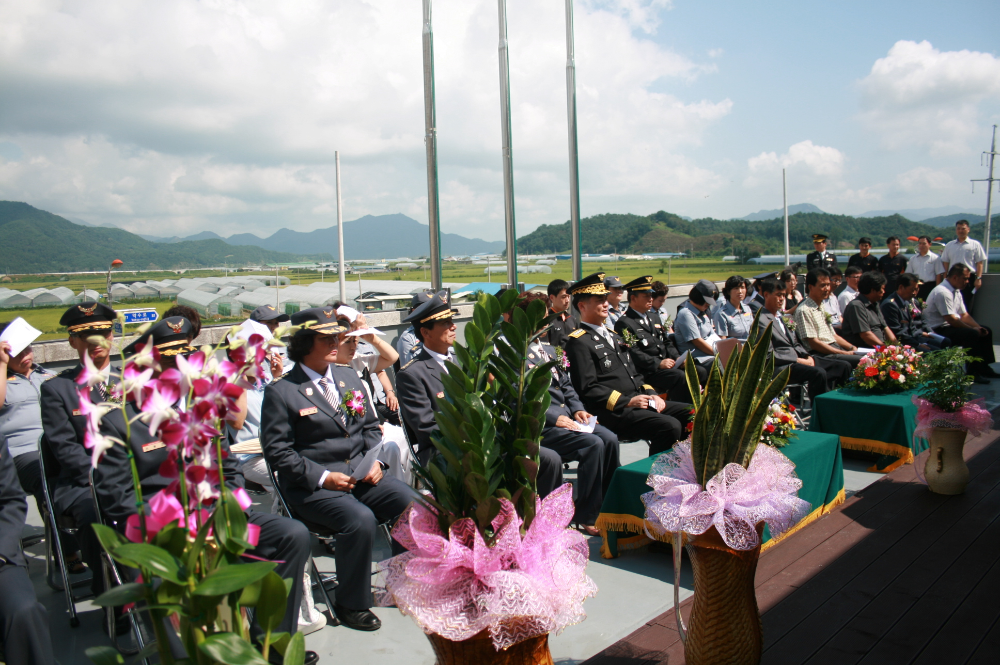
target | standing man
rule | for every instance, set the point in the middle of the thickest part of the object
(813, 328)
(820, 258)
(947, 315)
(926, 265)
(863, 259)
(969, 253)
(564, 322)
(864, 324)
(615, 292)
(892, 265)
(608, 383)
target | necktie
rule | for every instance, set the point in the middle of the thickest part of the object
(327, 390)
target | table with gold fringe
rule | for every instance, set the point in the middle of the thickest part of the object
(873, 423)
(818, 464)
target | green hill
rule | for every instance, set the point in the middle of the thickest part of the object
(666, 232)
(38, 241)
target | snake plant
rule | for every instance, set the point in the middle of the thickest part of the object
(730, 412)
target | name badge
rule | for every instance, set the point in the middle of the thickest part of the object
(308, 412)
(657, 325)
(76, 412)
(599, 346)
(440, 395)
(155, 445)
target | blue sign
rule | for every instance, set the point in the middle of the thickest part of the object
(139, 315)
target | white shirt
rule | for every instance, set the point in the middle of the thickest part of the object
(440, 358)
(943, 300)
(927, 267)
(832, 307)
(315, 377)
(969, 252)
(845, 297)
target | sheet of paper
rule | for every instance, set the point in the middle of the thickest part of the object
(863, 351)
(248, 447)
(19, 334)
(349, 312)
(249, 327)
(681, 358)
(370, 458)
(365, 331)
(589, 426)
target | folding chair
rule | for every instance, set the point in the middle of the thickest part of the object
(54, 526)
(725, 349)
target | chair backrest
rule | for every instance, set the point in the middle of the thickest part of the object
(47, 460)
(273, 475)
(725, 348)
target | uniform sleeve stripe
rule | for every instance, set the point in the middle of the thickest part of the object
(613, 399)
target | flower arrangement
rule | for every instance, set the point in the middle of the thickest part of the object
(484, 553)
(888, 369)
(944, 398)
(779, 424)
(188, 547)
(354, 404)
(561, 360)
(789, 322)
(629, 337)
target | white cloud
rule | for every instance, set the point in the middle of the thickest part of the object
(805, 157)
(226, 114)
(920, 95)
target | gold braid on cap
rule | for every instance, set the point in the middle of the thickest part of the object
(92, 325)
(443, 314)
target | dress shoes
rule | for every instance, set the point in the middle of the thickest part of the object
(357, 619)
(275, 658)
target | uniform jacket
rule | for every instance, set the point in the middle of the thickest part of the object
(565, 401)
(604, 376)
(408, 345)
(903, 319)
(302, 436)
(650, 347)
(13, 509)
(419, 386)
(815, 260)
(560, 329)
(786, 347)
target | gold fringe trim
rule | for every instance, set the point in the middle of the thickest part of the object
(630, 523)
(903, 453)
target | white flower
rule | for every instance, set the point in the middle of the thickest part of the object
(899, 357)
(902, 378)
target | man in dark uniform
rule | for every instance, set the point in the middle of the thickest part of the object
(282, 540)
(564, 322)
(754, 298)
(270, 316)
(892, 265)
(24, 623)
(64, 427)
(863, 259)
(419, 387)
(820, 258)
(906, 321)
(647, 346)
(607, 381)
(315, 443)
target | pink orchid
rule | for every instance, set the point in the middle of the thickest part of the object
(133, 380)
(147, 356)
(97, 444)
(219, 393)
(158, 402)
(190, 368)
(190, 429)
(92, 412)
(355, 403)
(91, 376)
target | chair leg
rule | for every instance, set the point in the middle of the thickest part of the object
(56, 548)
(322, 585)
(384, 527)
(113, 578)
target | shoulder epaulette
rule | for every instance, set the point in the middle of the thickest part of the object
(412, 349)
(274, 381)
(412, 360)
(579, 332)
(67, 373)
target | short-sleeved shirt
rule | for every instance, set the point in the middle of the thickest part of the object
(866, 263)
(691, 324)
(862, 315)
(408, 346)
(926, 267)
(943, 300)
(846, 296)
(730, 322)
(892, 267)
(969, 253)
(810, 323)
(21, 414)
(832, 307)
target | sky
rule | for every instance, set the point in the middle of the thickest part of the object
(176, 118)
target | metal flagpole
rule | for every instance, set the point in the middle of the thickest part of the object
(574, 160)
(784, 196)
(340, 233)
(989, 198)
(508, 163)
(430, 140)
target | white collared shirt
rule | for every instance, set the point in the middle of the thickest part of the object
(926, 266)
(315, 376)
(440, 357)
(942, 301)
(969, 253)
(845, 297)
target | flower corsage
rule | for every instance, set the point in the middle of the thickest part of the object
(354, 404)
(561, 360)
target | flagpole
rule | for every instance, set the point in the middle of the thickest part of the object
(574, 158)
(340, 233)
(508, 162)
(430, 141)
(784, 196)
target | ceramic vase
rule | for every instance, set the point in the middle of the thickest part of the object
(945, 469)
(479, 649)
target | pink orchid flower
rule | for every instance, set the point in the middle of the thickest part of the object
(91, 376)
(133, 381)
(219, 393)
(190, 368)
(97, 444)
(158, 403)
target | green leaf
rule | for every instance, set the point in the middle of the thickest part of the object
(169, 593)
(233, 578)
(172, 538)
(124, 594)
(250, 594)
(230, 524)
(157, 560)
(231, 649)
(109, 538)
(295, 652)
(104, 656)
(272, 603)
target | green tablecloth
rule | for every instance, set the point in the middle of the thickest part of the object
(881, 424)
(818, 465)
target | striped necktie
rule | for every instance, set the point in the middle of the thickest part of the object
(327, 390)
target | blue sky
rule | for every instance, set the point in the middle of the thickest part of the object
(224, 115)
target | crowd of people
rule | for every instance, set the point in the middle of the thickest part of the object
(619, 375)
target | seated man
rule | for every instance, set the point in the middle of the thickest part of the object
(606, 379)
(615, 292)
(946, 315)
(282, 540)
(23, 620)
(754, 299)
(270, 316)
(314, 445)
(408, 344)
(821, 374)
(864, 324)
(850, 290)
(906, 321)
(564, 322)
(419, 386)
(64, 427)
(832, 304)
(693, 329)
(812, 327)
(647, 346)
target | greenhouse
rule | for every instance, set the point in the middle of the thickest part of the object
(40, 297)
(210, 304)
(65, 295)
(14, 299)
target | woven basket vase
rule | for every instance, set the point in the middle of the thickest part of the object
(725, 623)
(479, 649)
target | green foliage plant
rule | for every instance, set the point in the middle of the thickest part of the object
(490, 419)
(946, 385)
(731, 412)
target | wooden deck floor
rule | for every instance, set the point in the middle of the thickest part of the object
(895, 575)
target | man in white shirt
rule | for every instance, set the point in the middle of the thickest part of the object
(850, 292)
(946, 313)
(968, 252)
(927, 266)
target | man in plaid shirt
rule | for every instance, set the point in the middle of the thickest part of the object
(815, 329)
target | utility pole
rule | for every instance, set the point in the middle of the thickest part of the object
(430, 141)
(784, 196)
(508, 159)
(340, 233)
(574, 159)
(989, 196)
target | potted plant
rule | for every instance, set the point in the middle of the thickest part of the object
(490, 569)
(187, 547)
(716, 491)
(888, 369)
(945, 416)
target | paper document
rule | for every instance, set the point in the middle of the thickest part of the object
(365, 331)
(863, 351)
(588, 426)
(248, 447)
(371, 458)
(349, 312)
(681, 358)
(19, 334)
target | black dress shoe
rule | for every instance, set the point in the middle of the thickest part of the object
(276, 658)
(357, 619)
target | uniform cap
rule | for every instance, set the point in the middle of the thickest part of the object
(317, 320)
(705, 291)
(612, 283)
(88, 316)
(268, 313)
(819, 237)
(437, 308)
(644, 283)
(419, 299)
(594, 285)
(171, 337)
